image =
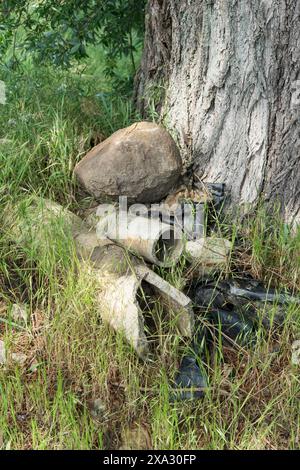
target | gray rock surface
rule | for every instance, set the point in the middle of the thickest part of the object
(141, 162)
(19, 313)
(2, 353)
(16, 357)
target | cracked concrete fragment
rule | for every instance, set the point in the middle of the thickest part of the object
(121, 277)
(208, 254)
(158, 242)
(173, 298)
(118, 274)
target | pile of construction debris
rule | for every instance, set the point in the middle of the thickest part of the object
(166, 220)
(143, 165)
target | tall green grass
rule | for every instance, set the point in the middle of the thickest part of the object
(51, 119)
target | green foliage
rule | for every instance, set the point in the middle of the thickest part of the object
(60, 32)
(52, 117)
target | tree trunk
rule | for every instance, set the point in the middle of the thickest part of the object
(224, 76)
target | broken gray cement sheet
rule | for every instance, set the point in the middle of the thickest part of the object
(162, 244)
(207, 255)
(120, 277)
(120, 282)
(159, 243)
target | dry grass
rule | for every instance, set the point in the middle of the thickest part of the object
(72, 359)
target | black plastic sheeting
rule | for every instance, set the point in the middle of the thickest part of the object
(190, 382)
(234, 327)
(232, 308)
(244, 296)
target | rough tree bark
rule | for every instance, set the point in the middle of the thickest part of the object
(224, 75)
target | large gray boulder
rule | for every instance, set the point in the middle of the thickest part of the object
(141, 162)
